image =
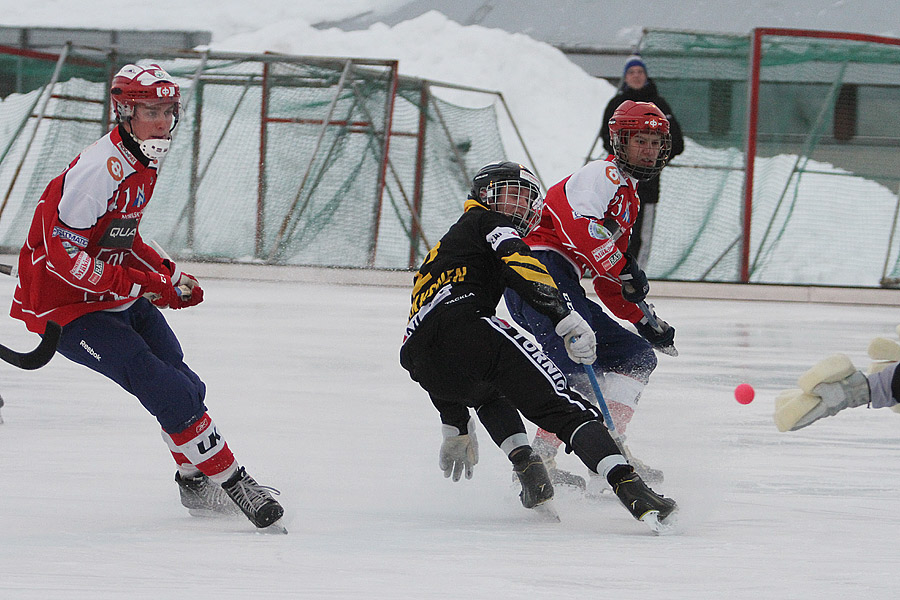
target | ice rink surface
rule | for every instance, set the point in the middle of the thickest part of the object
(304, 383)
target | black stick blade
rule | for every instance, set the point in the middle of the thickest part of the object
(38, 357)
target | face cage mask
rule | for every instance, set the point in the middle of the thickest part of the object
(520, 201)
(639, 172)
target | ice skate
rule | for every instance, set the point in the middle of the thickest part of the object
(598, 488)
(558, 476)
(254, 500)
(644, 504)
(537, 490)
(203, 498)
(647, 473)
(562, 477)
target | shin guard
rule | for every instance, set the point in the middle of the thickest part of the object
(201, 445)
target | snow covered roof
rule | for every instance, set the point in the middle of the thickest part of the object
(618, 23)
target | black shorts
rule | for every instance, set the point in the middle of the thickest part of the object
(465, 360)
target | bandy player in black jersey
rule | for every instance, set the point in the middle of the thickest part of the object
(465, 357)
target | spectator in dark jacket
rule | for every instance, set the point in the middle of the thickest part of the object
(637, 85)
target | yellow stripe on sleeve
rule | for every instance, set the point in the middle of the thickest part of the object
(530, 269)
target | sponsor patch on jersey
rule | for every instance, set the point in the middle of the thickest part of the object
(115, 168)
(604, 251)
(65, 234)
(139, 198)
(98, 272)
(119, 234)
(598, 231)
(611, 261)
(126, 153)
(612, 173)
(70, 249)
(82, 265)
(500, 234)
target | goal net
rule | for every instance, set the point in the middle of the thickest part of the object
(818, 114)
(276, 159)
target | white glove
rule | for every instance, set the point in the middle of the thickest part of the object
(458, 450)
(829, 387)
(581, 343)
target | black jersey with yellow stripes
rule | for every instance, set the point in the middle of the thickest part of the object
(476, 260)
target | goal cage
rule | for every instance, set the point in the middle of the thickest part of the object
(277, 159)
(790, 170)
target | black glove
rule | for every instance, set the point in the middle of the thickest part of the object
(634, 283)
(664, 340)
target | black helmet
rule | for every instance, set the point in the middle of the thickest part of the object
(511, 189)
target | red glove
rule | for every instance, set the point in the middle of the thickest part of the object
(190, 292)
(156, 284)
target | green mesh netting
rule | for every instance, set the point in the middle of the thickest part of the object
(826, 179)
(289, 173)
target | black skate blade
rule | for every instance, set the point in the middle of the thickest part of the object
(666, 526)
(275, 528)
(547, 512)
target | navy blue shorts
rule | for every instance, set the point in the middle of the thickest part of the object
(619, 350)
(137, 349)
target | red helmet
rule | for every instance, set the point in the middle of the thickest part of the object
(145, 84)
(633, 117)
(137, 84)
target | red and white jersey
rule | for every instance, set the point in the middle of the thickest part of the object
(84, 232)
(572, 224)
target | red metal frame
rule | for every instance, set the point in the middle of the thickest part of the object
(750, 154)
(385, 157)
(415, 229)
(74, 60)
(353, 127)
(753, 114)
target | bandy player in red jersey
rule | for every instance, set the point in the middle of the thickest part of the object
(85, 266)
(584, 229)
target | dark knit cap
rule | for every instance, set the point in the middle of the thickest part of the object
(634, 60)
